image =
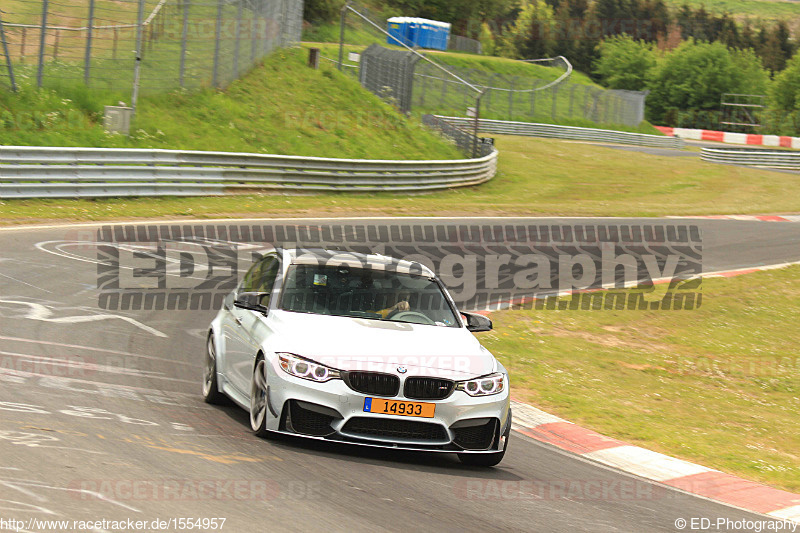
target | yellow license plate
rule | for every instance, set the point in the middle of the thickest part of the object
(397, 407)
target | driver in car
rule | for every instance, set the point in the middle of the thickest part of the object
(401, 305)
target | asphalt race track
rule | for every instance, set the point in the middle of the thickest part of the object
(101, 418)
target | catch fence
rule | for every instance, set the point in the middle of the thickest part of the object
(172, 43)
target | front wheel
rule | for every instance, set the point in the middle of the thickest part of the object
(258, 399)
(211, 393)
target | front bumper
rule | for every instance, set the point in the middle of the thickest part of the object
(334, 411)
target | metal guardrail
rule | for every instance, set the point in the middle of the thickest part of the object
(45, 172)
(466, 142)
(531, 129)
(780, 159)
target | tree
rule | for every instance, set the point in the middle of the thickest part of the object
(695, 75)
(487, 40)
(784, 93)
(625, 63)
(320, 11)
(728, 32)
(784, 99)
(771, 54)
(531, 35)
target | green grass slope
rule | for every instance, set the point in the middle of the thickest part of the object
(575, 103)
(281, 107)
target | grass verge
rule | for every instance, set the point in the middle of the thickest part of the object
(718, 385)
(537, 177)
(280, 107)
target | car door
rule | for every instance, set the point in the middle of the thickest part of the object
(246, 328)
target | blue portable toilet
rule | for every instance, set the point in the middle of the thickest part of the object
(396, 28)
(427, 36)
(441, 35)
(413, 31)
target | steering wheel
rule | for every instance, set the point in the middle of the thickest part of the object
(399, 316)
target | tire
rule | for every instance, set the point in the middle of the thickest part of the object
(259, 411)
(211, 393)
(487, 459)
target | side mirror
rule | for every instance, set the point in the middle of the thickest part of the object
(255, 301)
(476, 322)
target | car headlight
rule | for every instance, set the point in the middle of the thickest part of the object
(306, 369)
(483, 386)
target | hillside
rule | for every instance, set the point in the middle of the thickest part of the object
(740, 9)
(281, 107)
(573, 95)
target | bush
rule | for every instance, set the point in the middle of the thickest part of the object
(625, 63)
(695, 75)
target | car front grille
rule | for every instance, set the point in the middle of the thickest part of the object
(372, 383)
(476, 437)
(427, 388)
(397, 429)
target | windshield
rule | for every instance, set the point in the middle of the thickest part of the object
(366, 293)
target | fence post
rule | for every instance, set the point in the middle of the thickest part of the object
(572, 99)
(42, 42)
(533, 97)
(87, 60)
(488, 90)
(555, 100)
(465, 75)
(586, 94)
(184, 40)
(511, 99)
(342, 19)
(284, 23)
(253, 40)
(55, 44)
(422, 95)
(476, 124)
(22, 46)
(8, 56)
(138, 64)
(217, 32)
(238, 38)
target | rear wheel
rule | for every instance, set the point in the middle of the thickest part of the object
(259, 410)
(211, 393)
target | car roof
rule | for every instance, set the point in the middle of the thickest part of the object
(317, 256)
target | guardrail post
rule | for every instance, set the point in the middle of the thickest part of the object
(42, 43)
(87, 60)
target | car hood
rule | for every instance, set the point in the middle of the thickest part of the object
(380, 346)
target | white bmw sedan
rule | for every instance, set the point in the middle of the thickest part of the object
(363, 349)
